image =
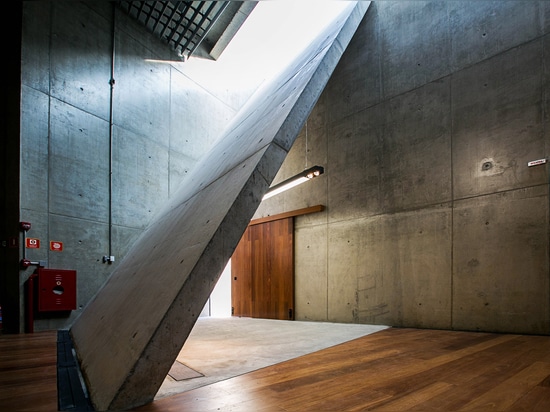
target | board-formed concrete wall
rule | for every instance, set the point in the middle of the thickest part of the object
(433, 218)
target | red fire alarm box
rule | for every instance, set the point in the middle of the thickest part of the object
(56, 290)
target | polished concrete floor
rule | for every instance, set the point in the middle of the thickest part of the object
(222, 348)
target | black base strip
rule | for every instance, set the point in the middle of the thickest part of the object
(71, 391)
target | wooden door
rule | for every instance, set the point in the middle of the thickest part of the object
(262, 270)
(241, 277)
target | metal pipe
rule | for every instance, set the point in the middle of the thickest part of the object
(30, 303)
(111, 127)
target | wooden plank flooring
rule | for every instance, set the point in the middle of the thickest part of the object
(391, 370)
(28, 372)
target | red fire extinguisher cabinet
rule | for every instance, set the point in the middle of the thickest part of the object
(56, 290)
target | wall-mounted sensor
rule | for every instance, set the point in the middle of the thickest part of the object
(537, 162)
(486, 166)
(108, 259)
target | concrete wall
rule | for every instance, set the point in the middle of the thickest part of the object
(425, 130)
(163, 122)
(433, 218)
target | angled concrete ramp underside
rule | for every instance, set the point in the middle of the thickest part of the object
(129, 335)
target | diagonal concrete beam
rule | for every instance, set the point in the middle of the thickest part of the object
(129, 335)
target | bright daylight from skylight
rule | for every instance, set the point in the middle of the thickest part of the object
(271, 37)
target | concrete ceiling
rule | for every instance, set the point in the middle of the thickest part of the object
(198, 28)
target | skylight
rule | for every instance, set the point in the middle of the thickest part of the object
(272, 36)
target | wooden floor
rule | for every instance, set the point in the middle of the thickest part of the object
(28, 372)
(391, 370)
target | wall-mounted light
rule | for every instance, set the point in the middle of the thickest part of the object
(294, 181)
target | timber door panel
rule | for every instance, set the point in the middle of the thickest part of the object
(262, 270)
(241, 277)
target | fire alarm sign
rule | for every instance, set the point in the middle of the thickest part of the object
(56, 246)
(32, 243)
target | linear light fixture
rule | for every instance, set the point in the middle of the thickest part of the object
(294, 181)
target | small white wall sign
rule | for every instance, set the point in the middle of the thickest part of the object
(536, 162)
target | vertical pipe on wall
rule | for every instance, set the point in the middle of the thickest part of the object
(30, 285)
(112, 86)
